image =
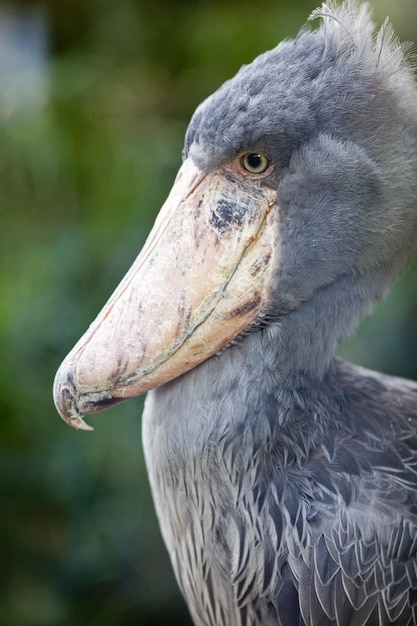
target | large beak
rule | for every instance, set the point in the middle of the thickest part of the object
(203, 276)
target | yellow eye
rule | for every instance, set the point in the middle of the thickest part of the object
(255, 163)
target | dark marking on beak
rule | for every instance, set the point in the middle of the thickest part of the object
(91, 403)
(257, 266)
(227, 214)
(246, 308)
(222, 217)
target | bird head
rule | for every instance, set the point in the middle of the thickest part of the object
(298, 172)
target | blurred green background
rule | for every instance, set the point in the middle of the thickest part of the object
(94, 102)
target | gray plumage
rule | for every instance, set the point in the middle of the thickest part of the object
(285, 480)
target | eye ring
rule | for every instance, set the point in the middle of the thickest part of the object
(255, 162)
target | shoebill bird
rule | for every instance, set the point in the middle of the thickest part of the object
(285, 479)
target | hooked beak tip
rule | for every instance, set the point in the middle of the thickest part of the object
(78, 423)
(67, 405)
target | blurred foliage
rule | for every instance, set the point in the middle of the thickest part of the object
(82, 178)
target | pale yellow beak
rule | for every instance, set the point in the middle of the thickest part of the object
(203, 276)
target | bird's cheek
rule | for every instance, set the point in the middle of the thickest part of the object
(203, 277)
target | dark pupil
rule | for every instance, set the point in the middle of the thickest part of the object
(254, 160)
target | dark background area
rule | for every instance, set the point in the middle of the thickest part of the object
(94, 102)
